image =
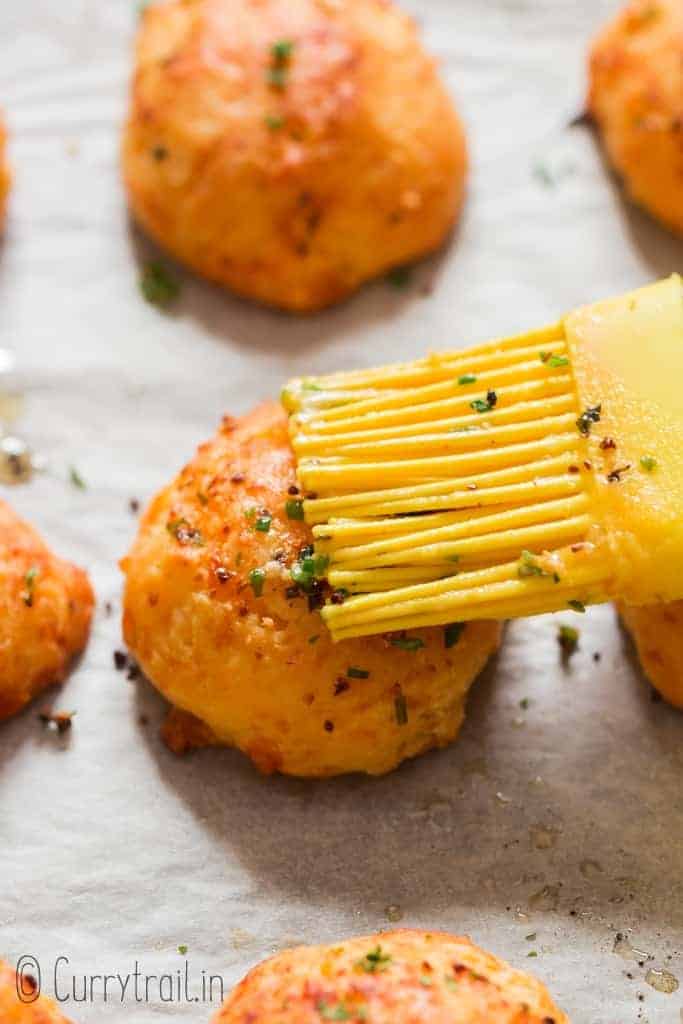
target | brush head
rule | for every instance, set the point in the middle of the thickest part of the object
(521, 476)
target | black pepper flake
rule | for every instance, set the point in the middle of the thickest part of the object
(329, 726)
(485, 404)
(59, 721)
(573, 469)
(587, 418)
(134, 506)
(120, 660)
(292, 489)
(615, 476)
(341, 685)
(316, 596)
(338, 596)
(608, 444)
(184, 533)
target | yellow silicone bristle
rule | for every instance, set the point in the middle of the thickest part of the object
(459, 486)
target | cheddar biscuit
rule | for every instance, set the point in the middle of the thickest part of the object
(636, 98)
(45, 611)
(290, 149)
(398, 977)
(221, 612)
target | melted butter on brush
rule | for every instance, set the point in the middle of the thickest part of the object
(480, 483)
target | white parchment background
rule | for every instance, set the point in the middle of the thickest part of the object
(110, 848)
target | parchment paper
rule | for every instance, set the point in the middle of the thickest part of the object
(114, 851)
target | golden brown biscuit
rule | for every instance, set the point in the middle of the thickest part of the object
(636, 98)
(14, 1010)
(5, 177)
(290, 149)
(45, 611)
(241, 651)
(658, 634)
(401, 977)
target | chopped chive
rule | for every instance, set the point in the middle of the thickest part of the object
(30, 582)
(553, 360)
(568, 639)
(374, 962)
(525, 703)
(485, 404)
(294, 508)
(338, 1012)
(309, 569)
(158, 285)
(528, 566)
(281, 50)
(578, 606)
(357, 673)
(401, 709)
(274, 122)
(452, 633)
(400, 277)
(263, 521)
(257, 578)
(467, 378)
(649, 463)
(314, 639)
(407, 643)
(182, 950)
(76, 480)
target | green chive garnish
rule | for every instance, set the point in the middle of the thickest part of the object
(263, 521)
(407, 643)
(401, 709)
(257, 578)
(158, 285)
(295, 508)
(452, 633)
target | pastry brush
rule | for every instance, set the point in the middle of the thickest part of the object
(525, 475)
